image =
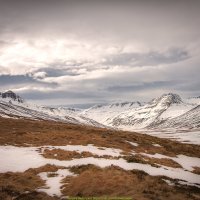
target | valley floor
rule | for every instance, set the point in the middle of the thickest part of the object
(52, 160)
(180, 135)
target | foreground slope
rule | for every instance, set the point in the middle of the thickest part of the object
(51, 160)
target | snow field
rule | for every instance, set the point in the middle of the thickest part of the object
(19, 159)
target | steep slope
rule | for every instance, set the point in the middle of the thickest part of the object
(152, 114)
(188, 120)
(8, 109)
(105, 113)
(193, 100)
(9, 95)
(12, 105)
(69, 114)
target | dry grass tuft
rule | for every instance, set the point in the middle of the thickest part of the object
(114, 181)
(196, 170)
(60, 154)
(17, 184)
(154, 162)
(21, 132)
(23, 186)
(164, 161)
(22, 182)
(45, 168)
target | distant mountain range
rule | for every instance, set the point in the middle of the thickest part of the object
(166, 111)
(12, 105)
(156, 113)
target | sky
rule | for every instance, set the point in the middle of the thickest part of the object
(60, 52)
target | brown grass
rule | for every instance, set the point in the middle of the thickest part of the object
(8, 194)
(23, 185)
(60, 154)
(153, 150)
(21, 181)
(20, 185)
(164, 161)
(155, 162)
(37, 133)
(45, 168)
(114, 181)
(92, 181)
(196, 170)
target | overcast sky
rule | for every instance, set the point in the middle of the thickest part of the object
(77, 52)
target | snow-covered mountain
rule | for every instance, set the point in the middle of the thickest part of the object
(166, 111)
(105, 113)
(152, 114)
(134, 115)
(193, 100)
(12, 105)
(10, 96)
(190, 120)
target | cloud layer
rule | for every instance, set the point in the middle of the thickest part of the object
(73, 52)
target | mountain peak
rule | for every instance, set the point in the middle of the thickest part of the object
(175, 98)
(11, 95)
(169, 98)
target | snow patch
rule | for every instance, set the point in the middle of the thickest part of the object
(168, 182)
(53, 181)
(133, 143)
(183, 136)
(22, 158)
(186, 162)
(156, 145)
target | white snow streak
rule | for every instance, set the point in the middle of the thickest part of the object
(53, 183)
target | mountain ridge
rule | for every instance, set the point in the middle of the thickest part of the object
(11, 95)
(13, 106)
(160, 112)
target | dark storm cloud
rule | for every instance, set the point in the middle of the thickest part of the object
(57, 72)
(142, 86)
(151, 58)
(16, 80)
